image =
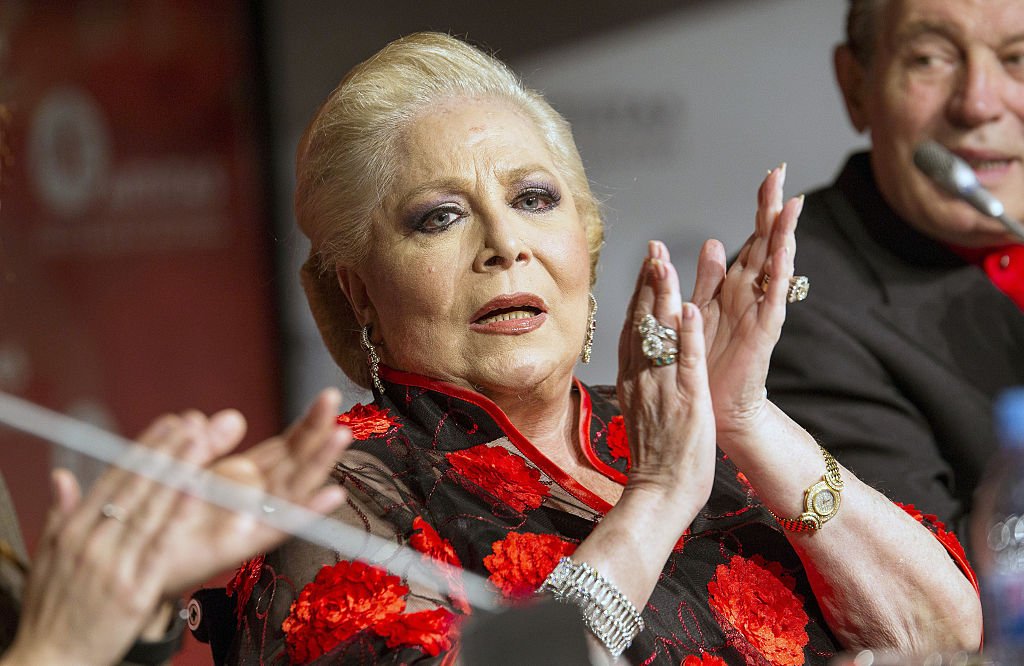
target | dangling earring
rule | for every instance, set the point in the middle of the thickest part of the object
(372, 359)
(588, 340)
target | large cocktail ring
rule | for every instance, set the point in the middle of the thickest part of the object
(659, 342)
(799, 285)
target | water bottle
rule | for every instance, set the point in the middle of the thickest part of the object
(997, 534)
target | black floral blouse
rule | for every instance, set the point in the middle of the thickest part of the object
(441, 469)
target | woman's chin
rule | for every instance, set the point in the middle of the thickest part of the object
(523, 376)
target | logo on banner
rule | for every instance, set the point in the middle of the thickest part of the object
(69, 151)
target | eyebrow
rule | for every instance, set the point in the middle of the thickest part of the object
(919, 28)
(925, 27)
(452, 184)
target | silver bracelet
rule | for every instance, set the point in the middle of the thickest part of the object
(608, 614)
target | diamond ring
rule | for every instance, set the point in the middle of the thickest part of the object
(799, 286)
(659, 342)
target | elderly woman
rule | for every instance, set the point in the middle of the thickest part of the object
(454, 244)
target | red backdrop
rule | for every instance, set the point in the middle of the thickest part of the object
(136, 274)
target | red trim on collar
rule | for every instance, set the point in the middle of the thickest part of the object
(586, 411)
(525, 446)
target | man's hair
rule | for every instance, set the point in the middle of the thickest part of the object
(862, 25)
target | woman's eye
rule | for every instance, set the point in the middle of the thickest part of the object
(439, 220)
(535, 200)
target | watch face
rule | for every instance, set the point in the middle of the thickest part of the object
(824, 502)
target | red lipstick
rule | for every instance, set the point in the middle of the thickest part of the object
(510, 314)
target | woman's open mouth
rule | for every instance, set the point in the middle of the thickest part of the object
(510, 314)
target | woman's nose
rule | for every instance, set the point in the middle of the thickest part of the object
(503, 245)
(979, 97)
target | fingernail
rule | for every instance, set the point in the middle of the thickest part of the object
(227, 422)
(341, 435)
(689, 310)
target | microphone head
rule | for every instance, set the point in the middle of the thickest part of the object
(946, 169)
(955, 176)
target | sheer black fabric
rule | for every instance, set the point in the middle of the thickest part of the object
(733, 589)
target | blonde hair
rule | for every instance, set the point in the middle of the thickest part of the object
(346, 162)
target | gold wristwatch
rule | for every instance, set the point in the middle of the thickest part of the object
(821, 500)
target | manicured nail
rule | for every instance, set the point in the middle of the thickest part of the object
(227, 422)
(689, 310)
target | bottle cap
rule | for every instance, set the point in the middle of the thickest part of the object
(1009, 417)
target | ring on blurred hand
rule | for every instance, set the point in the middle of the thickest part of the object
(659, 342)
(110, 510)
(799, 286)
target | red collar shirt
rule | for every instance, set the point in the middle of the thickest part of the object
(1004, 266)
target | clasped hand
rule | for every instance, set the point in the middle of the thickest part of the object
(714, 391)
(106, 562)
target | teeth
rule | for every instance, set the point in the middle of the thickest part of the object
(506, 316)
(988, 164)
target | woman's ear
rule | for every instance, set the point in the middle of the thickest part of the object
(852, 79)
(354, 288)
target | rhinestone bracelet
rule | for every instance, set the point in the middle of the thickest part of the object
(608, 614)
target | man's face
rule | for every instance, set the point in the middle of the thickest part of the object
(951, 71)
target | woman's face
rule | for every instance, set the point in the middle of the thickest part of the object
(479, 270)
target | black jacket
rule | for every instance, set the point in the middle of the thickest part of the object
(895, 358)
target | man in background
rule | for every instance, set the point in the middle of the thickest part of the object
(915, 320)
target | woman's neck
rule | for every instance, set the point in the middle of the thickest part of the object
(548, 418)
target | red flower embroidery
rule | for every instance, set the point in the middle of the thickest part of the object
(426, 540)
(521, 562)
(703, 660)
(343, 600)
(618, 443)
(504, 475)
(742, 478)
(431, 630)
(242, 584)
(755, 598)
(366, 421)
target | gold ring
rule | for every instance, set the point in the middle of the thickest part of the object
(799, 286)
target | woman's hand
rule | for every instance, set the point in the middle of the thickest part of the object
(671, 431)
(105, 563)
(667, 409)
(743, 321)
(292, 467)
(98, 573)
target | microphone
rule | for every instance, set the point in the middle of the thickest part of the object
(956, 177)
(293, 519)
